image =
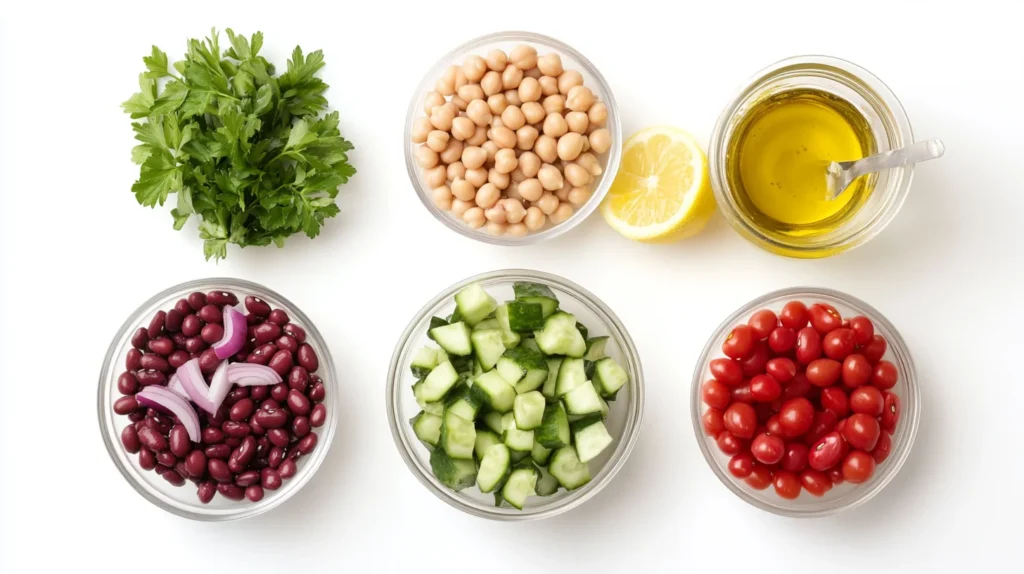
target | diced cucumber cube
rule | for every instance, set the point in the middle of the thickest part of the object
(554, 365)
(609, 377)
(590, 437)
(540, 453)
(521, 484)
(453, 338)
(571, 374)
(474, 304)
(547, 484)
(567, 468)
(595, 348)
(438, 383)
(463, 402)
(488, 347)
(517, 439)
(484, 440)
(554, 427)
(492, 420)
(458, 436)
(561, 337)
(487, 324)
(524, 368)
(494, 391)
(583, 400)
(528, 409)
(427, 428)
(536, 293)
(494, 468)
(522, 316)
(456, 474)
(423, 362)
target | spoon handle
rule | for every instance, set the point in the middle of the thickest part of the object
(915, 153)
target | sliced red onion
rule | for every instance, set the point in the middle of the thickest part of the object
(173, 384)
(163, 399)
(220, 386)
(251, 374)
(191, 379)
(235, 327)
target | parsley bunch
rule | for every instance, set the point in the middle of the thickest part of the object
(243, 149)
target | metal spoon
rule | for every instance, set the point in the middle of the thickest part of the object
(840, 174)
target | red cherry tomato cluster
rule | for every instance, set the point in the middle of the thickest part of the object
(802, 400)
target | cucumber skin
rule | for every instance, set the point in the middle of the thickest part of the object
(553, 426)
(436, 322)
(455, 474)
(527, 289)
(524, 317)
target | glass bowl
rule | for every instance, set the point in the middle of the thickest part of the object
(890, 129)
(571, 59)
(183, 500)
(624, 418)
(845, 495)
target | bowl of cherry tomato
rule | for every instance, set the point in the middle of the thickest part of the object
(805, 402)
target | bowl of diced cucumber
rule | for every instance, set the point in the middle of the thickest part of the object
(515, 395)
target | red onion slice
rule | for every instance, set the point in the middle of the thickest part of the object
(173, 384)
(161, 398)
(251, 374)
(191, 378)
(220, 386)
(235, 327)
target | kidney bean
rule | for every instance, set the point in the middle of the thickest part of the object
(318, 416)
(235, 429)
(191, 325)
(147, 460)
(211, 333)
(243, 455)
(242, 409)
(196, 300)
(212, 435)
(140, 338)
(262, 447)
(266, 332)
(219, 470)
(130, 440)
(317, 392)
(307, 358)
(195, 345)
(173, 477)
(136, 416)
(230, 491)
(174, 319)
(166, 458)
(270, 479)
(156, 324)
(259, 393)
(233, 441)
(208, 362)
(177, 359)
(180, 340)
(252, 320)
(211, 314)
(162, 346)
(298, 404)
(287, 343)
(298, 379)
(278, 316)
(127, 384)
(269, 404)
(281, 362)
(308, 443)
(301, 427)
(254, 493)
(287, 468)
(179, 441)
(279, 437)
(271, 418)
(262, 354)
(151, 438)
(279, 392)
(181, 306)
(221, 451)
(247, 478)
(195, 462)
(257, 428)
(205, 491)
(257, 306)
(133, 359)
(125, 405)
(162, 423)
(222, 298)
(155, 362)
(151, 377)
(275, 457)
(181, 469)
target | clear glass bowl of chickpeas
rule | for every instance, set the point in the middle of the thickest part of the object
(512, 138)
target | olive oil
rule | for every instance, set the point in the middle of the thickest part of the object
(777, 162)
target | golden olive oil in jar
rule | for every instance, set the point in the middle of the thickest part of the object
(776, 163)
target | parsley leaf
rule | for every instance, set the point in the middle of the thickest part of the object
(253, 155)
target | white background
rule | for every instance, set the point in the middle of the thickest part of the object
(78, 255)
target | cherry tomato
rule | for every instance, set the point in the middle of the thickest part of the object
(781, 368)
(815, 482)
(741, 394)
(794, 315)
(773, 427)
(739, 343)
(715, 394)
(767, 449)
(787, 484)
(808, 345)
(740, 419)
(834, 399)
(875, 349)
(863, 329)
(765, 388)
(882, 449)
(762, 323)
(754, 363)
(890, 412)
(885, 375)
(796, 416)
(726, 371)
(867, 400)
(824, 372)
(862, 431)
(858, 467)
(835, 474)
(798, 387)
(824, 423)
(729, 444)
(741, 465)
(795, 458)
(713, 422)
(782, 340)
(839, 343)
(824, 317)
(827, 452)
(856, 371)
(760, 478)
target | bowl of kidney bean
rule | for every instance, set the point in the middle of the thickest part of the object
(805, 402)
(264, 442)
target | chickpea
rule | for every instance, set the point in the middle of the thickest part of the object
(529, 90)
(512, 97)
(505, 160)
(590, 163)
(579, 195)
(555, 125)
(456, 170)
(547, 203)
(546, 148)
(496, 214)
(498, 179)
(534, 112)
(497, 104)
(512, 192)
(550, 64)
(453, 152)
(523, 56)
(504, 137)
(478, 112)
(426, 157)
(460, 207)
(442, 197)
(463, 190)
(529, 163)
(600, 140)
(580, 99)
(577, 121)
(517, 230)
(471, 92)
(421, 128)
(496, 60)
(432, 100)
(491, 83)
(526, 136)
(549, 176)
(445, 85)
(491, 148)
(479, 137)
(534, 218)
(568, 80)
(554, 104)
(463, 128)
(476, 177)
(474, 217)
(531, 189)
(517, 175)
(437, 140)
(435, 176)
(473, 157)
(460, 78)
(474, 67)
(441, 117)
(513, 118)
(459, 103)
(562, 193)
(532, 73)
(576, 174)
(495, 228)
(598, 114)
(487, 195)
(561, 214)
(511, 77)
(548, 85)
(570, 146)
(514, 210)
